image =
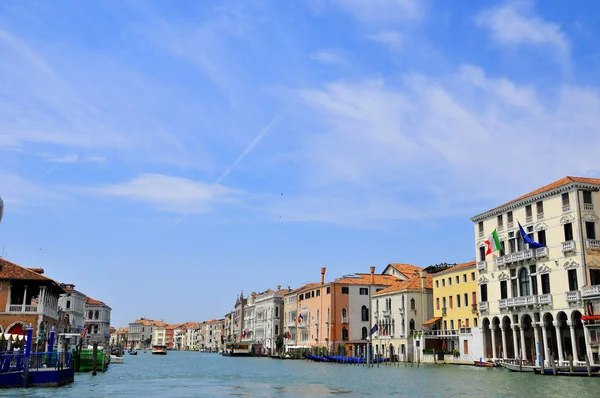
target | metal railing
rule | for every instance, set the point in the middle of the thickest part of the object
(11, 362)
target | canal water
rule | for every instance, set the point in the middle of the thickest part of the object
(193, 374)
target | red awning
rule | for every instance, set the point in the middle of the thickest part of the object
(434, 320)
(590, 318)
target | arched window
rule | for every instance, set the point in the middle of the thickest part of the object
(365, 313)
(412, 303)
(412, 325)
(344, 315)
(276, 330)
(344, 333)
(524, 280)
(364, 333)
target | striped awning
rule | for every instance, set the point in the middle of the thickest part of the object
(12, 337)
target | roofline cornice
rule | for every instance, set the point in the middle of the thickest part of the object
(533, 199)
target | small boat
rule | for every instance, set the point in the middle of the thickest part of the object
(565, 369)
(132, 352)
(159, 350)
(523, 368)
(116, 359)
(485, 364)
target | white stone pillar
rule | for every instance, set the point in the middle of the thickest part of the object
(536, 335)
(588, 348)
(24, 299)
(493, 328)
(515, 341)
(546, 346)
(573, 341)
(504, 353)
(561, 358)
(484, 341)
(523, 344)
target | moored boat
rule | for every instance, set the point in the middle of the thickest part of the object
(520, 368)
(485, 364)
(159, 350)
(114, 359)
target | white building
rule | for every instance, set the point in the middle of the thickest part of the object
(248, 332)
(269, 318)
(141, 332)
(543, 297)
(159, 335)
(70, 308)
(97, 320)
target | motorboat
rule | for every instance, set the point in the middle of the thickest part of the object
(159, 350)
(114, 359)
(519, 368)
(132, 352)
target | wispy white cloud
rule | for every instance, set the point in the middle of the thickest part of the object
(328, 57)
(391, 38)
(18, 191)
(382, 10)
(515, 23)
(171, 194)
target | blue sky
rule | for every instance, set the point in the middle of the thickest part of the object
(164, 156)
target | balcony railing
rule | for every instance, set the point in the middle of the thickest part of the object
(524, 301)
(500, 228)
(33, 309)
(510, 225)
(483, 306)
(401, 311)
(443, 311)
(474, 308)
(588, 206)
(566, 208)
(592, 244)
(387, 313)
(482, 266)
(481, 234)
(590, 291)
(529, 219)
(515, 257)
(568, 246)
(573, 296)
(540, 216)
(446, 333)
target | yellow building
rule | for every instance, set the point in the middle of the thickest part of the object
(454, 326)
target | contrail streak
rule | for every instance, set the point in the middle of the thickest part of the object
(255, 141)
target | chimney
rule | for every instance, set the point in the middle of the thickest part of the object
(323, 269)
(372, 268)
(278, 287)
(424, 279)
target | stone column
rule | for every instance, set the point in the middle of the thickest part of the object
(504, 353)
(515, 341)
(546, 345)
(493, 328)
(536, 336)
(573, 341)
(523, 344)
(24, 299)
(561, 358)
(588, 348)
(484, 341)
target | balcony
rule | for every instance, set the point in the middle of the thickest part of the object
(566, 208)
(590, 291)
(573, 296)
(541, 252)
(500, 228)
(474, 308)
(592, 244)
(482, 266)
(528, 219)
(588, 206)
(481, 234)
(401, 311)
(443, 311)
(540, 216)
(483, 306)
(510, 225)
(387, 313)
(514, 302)
(515, 257)
(568, 246)
(33, 309)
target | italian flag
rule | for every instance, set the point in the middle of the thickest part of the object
(493, 243)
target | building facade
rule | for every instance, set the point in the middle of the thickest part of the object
(269, 318)
(537, 303)
(70, 307)
(97, 321)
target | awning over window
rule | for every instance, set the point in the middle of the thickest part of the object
(432, 321)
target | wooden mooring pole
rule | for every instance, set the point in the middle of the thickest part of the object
(94, 359)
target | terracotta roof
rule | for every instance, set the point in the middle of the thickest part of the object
(91, 301)
(455, 268)
(556, 184)
(406, 269)
(306, 287)
(413, 283)
(12, 271)
(365, 279)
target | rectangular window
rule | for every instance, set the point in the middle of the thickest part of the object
(301, 297)
(466, 345)
(480, 225)
(466, 299)
(450, 301)
(345, 290)
(546, 284)
(465, 278)
(542, 237)
(572, 275)
(540, 207)
(458, 301)
(457, 279)
(503, 290)
(534, 287)
(437, 303)
(312, 294)
(590, 230)
(565, 199)
(443, 282)
(318, 293)
(568, 228)
(68, 304)
(509, 217)
(466, 323)
(484, 294)
(528, 212)
(328, 289)
(514, 288)
(587, 197)
(449, 281)
(474, 300)
(499, 220)
(502, 247)
(475, 322)
(364, 291)
(437, 283)
(472, 276)
(482, 253)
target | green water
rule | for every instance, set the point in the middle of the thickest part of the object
(191, 374)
